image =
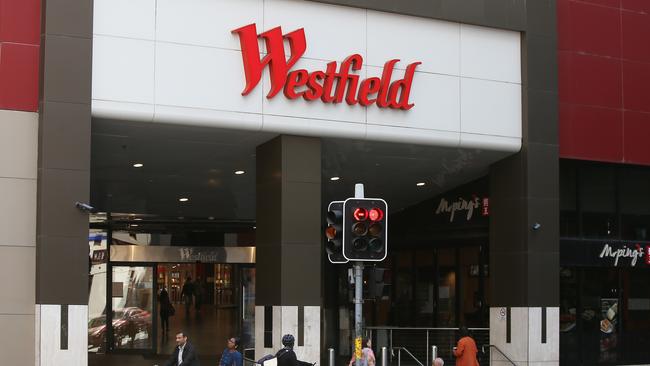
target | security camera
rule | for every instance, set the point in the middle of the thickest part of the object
(537, 226)
(85, 207)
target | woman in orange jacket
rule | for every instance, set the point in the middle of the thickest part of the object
(466, 350)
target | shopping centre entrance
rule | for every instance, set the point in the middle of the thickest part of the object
(212, 291)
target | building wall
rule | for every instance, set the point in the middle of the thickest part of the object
(604, 80)
(19, 60)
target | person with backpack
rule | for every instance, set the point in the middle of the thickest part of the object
(367, 354)
(286, 356)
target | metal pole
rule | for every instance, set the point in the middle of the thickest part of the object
(358, 308)
(399, 357)
(358, 295)
(433, 357)
(384, 356)
(434, 353)
(331, 356)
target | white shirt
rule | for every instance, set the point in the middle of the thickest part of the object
(180, 354)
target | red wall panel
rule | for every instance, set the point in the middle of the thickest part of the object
(604, 80)
(19, 76)
(591, 131)
(636, 36)
(20, 21)
(19, 54)
(590, 80)
(637, 137)
(636, 85)
(594, 29)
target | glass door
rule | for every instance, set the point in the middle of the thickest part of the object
(132, 307)
(248, 306)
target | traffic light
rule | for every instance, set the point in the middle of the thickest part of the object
(334, 232)
(365, 229)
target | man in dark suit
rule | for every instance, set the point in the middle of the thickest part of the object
(184, 354)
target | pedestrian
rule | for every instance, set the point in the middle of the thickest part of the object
(198, 294)
(438, 362)
(165, 310)
(466, 349)
(367, 354)
(231, 356)
(184, 353)
(186, 293)
(286, 356)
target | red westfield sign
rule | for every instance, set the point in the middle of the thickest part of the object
(330, 85)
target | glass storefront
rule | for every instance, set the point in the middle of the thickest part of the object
(605, 259)
(221, 301)
(604, 316)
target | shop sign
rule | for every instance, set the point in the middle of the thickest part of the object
(604, 253)
(329, 85)
(462, 205)
(625, 253)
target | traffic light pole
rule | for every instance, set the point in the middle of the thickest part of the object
(358, 295)
(358, 311)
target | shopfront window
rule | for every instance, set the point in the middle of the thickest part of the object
(602, 201)
(635, 204)
(597, 197)
(133, 302)
(604, 316)
(446, 315)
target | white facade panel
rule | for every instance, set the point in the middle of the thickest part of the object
(125, 18)
(490, 108)
(205, 22)
(434, 43)
(333, 32)
(202, 77)
(123, 70)
(491, 54)
(467, 91)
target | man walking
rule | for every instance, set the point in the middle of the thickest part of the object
(184, 353)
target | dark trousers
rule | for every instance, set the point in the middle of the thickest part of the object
(164, 322)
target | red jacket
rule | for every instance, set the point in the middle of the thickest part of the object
(466, 352)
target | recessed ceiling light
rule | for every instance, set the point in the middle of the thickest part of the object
(138, 165)
(420, 184)
(239, 172)
(335, 178)
(134, 225)
(211, 218)
(184, 199)
(137, 219)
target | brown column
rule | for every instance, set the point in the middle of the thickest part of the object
(288, 245)
(288, 237)
(63, 179)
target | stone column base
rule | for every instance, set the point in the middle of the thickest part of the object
(51, 349)
(286, 321)
(525, 344)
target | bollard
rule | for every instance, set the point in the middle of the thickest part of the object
(331, 357)
(434, 353)
(384, 356)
